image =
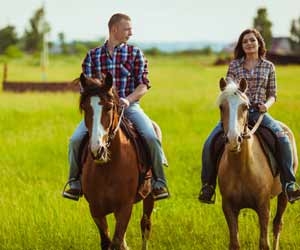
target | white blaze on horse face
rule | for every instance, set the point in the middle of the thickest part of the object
(233, 127)
(98, 132)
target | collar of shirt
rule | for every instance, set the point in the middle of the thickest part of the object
(241, 61)
(119, 46)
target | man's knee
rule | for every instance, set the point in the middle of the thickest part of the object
(74, 142)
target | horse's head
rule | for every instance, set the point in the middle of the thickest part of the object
(234, 105)
(99, 102)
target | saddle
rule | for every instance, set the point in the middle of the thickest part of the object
(143, 155)
(142, 151)
(267, 140)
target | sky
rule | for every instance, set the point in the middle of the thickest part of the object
(152, 20)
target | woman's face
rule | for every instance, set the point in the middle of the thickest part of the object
(250, 44)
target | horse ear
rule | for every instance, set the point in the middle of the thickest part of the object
(108, 80)
(243, 85)
(82, 80)
(222, 84)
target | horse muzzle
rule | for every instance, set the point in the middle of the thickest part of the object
(101, 155)
(234, 145)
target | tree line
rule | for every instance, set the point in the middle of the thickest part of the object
(32, 40)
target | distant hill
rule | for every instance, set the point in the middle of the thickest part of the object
(180, 46)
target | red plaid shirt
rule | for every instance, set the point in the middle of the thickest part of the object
(261, 79)
(127, 65)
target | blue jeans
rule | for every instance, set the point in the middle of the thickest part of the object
(144, 126)
(287, 175)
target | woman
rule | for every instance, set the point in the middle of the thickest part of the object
(250, 63)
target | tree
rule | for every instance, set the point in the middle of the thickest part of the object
(62, 43)
(8, 36)
(263, 25)
(295, 35)
(33, 37)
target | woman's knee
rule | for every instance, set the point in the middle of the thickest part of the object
(150, 137)
(282, 136)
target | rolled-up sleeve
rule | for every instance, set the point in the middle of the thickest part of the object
(272, 85)
(141, 69)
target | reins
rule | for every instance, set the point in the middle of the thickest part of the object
(255, 127)
(112, 134)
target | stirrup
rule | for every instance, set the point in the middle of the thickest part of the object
(68, 182)
(205, 197)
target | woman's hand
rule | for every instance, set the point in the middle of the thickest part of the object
(124, 102)
(262, 108)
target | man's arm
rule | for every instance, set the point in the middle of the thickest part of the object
(136, 95)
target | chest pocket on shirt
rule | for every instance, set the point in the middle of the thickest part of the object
(126, 69)
(264, 79)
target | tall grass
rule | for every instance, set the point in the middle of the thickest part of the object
(35, 129)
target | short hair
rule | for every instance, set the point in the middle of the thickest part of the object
(116, 18)
(239, 52)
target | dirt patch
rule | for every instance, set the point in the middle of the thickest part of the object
(39, 86)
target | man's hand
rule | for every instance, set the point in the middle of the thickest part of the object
(262, 108)
(124, 102)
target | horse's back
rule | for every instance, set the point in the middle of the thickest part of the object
(293, 144)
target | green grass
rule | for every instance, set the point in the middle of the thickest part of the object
(35, 129)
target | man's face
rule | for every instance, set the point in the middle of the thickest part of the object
(122, 31)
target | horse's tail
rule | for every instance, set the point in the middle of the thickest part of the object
(293, 144)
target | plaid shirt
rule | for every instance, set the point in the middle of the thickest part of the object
(261, 79)
(127, 65)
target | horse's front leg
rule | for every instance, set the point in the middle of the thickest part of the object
(277, 222)
(104, 232)
(122, 216)
(231, 216)
(264, 215)
(148, 205)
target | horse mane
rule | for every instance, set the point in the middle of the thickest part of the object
(231, 89)
(95, 88)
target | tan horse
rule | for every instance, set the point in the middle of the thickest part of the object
(244, 174)
(110, 175)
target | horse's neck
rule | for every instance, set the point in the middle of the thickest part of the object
(241, 159)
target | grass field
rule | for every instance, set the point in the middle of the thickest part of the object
(35, 129)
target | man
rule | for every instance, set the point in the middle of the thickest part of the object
(128, 66)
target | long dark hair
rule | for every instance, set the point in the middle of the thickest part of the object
(239, 52)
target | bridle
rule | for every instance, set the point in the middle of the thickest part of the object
(111, 135)
(248, 134)
(112, 132)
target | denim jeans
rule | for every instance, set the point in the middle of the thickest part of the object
(144, 126)
(287, 176)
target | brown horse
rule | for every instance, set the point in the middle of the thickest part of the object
(244, 174)
(110, 175)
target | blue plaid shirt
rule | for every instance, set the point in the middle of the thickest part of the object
(127, 65)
